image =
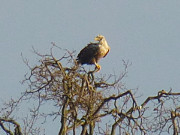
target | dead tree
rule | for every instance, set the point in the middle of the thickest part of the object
(86, 103)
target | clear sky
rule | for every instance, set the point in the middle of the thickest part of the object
(147, 33)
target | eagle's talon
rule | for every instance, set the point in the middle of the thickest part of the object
(97, 68)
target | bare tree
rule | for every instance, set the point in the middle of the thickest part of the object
(86, 103)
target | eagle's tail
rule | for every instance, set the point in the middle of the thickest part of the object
(77, 61)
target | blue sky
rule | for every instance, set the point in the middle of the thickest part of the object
(144, 32)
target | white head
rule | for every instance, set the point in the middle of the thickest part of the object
(99, 38)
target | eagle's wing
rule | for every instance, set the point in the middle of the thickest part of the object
(88, 53)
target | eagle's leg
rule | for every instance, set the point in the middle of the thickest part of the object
(98, 67)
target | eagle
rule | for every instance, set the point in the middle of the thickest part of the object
(93, 52)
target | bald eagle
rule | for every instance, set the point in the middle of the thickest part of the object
(92, 53)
